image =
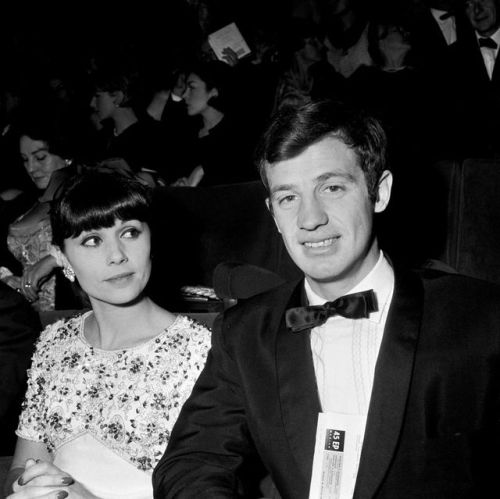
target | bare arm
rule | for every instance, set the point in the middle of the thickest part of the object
(25, 449)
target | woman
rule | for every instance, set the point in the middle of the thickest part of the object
(105, 387)
(223, 150)
(135, 138)
(45, 149)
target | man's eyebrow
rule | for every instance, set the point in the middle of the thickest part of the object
(349, 177)
(282, 187)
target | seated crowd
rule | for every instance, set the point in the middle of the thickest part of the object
(93, 398)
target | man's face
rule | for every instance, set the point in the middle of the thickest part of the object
(482, 15)
(321, 206)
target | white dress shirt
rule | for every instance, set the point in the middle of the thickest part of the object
(447, 26)
(345, 350)
(489, 54)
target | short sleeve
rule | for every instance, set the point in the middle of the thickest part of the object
(32, 423)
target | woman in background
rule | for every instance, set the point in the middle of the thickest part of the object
(46, 150)
(223, 149)
(105, 387)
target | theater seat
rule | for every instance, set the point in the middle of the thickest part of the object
(472, 190)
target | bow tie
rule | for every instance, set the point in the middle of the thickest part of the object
(353, 306)
(488, 42)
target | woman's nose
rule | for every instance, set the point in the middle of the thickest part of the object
(116, 253)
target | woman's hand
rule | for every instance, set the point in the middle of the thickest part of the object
(35, 275)
(42, 479)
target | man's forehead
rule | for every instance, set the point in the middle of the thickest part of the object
(325, 159)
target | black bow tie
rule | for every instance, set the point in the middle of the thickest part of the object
(354, 306)
(488, 42)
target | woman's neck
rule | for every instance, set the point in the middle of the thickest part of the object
(113, 327)
(123, 118)
(395, 60)
(211, 118)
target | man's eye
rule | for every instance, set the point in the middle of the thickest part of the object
(91, 241)
(333, 188)
(285, 200)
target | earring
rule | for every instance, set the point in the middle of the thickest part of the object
(69, 273)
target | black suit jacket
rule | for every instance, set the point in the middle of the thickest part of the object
(19, 328)
(432, 428)
(476, 100)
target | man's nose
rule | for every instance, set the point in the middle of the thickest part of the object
(311, 214)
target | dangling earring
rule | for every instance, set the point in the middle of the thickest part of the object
(69, 273)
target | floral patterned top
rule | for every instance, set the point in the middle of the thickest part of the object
(29, 245)
(126, 399)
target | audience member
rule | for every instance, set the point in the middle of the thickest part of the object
(105, 387)
(476, 82)
(19, 328)
(404, 365)
(128, 135)
(46, 147)
(222, 148)
(296, 82)
(393, 89)
(179, 131)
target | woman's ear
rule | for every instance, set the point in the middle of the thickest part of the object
(118, 98)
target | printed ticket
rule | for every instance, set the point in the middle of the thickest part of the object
(339, 438)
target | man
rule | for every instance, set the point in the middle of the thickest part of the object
(476, 81)
(19, 329)
(418, 365)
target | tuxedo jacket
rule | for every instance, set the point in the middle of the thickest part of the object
(433, 422)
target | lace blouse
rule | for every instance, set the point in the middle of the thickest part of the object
(128, 400)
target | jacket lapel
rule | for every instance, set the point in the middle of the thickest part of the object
(299, 398)
(391, 384)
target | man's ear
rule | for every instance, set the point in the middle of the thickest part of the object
(270, 208)
(383, 191)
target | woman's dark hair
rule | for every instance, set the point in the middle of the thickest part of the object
(46, 124)
(94, 199)
(219, 75)
(112, 79)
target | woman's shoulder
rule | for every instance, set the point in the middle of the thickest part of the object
(60, 331)
(188, 331)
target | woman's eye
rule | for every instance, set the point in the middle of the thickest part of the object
(42, 157)
(131, 233)
(91, 241)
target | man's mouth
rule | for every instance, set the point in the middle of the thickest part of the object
(320, 244)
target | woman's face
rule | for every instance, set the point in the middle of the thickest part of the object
(112, 264)
(393, 40)
(196, 95)
(38, 161)
(103, 104)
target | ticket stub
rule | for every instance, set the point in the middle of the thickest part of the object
(339, 438)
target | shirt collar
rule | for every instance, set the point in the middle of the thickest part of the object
(495, 36)
(437, 13)
(380, 279)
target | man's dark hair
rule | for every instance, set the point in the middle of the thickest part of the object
(293, 129)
